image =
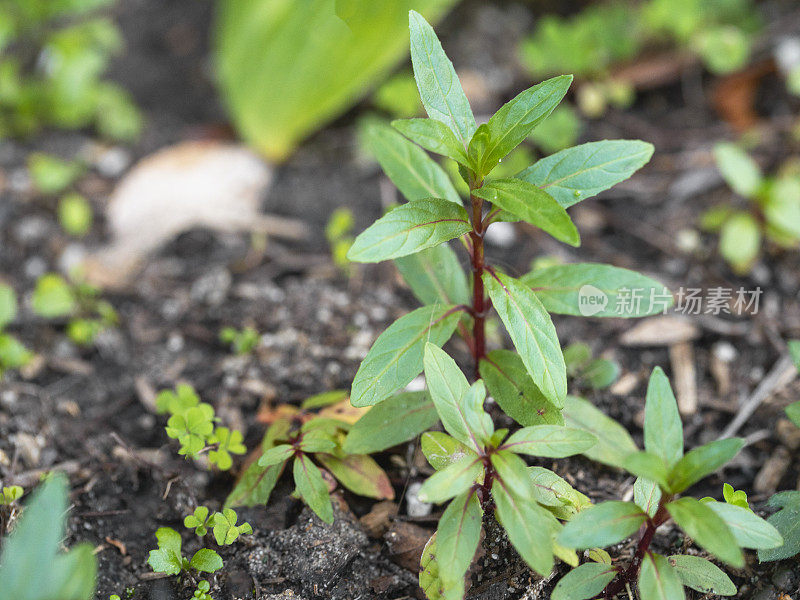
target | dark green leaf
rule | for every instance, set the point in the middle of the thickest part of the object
(584, 582)
(702, 461)
(478, 420)
(513, 389)
(597, 290)
(658, 580)
(396, 356)
(439, 87)
(312, 487)
(441, 450)
(533, 205)
(513, 472)
(450, 481)
(435, 275)
(750, 530)
(663, 430)
(584, 171)
(647, 465)
(647, 495)
(706, 529)
(433, 135)
(255, 485)
(787, 522)
(614, 443)
(550, 441)
(702, 575)
(458, 535)
(602, 525)
(532, 332)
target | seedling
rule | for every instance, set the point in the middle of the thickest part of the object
(338, 232)
(199, 520)
(168, 559)
(596, 373)
(13, 354)
(773, 210)
(10, 494)
(75, 214)
(664, 473)
(225, 529)
(201, 593)
(52, 175)
(242, 341)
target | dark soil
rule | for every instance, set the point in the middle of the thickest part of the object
(86, 411)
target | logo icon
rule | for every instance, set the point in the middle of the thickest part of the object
(591, 300)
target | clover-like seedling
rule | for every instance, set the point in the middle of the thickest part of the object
(168, 558)
(199, 520)
(201, 593)
(228, 442)
(243, 342)
(178, 400)
(664, 473)
(225, 529)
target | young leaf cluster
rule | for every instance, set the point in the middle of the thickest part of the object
(242, 341)
(13, 353)
(53, 176)
(168, 557)
(595, 373)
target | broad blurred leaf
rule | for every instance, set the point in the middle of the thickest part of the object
(740, 241)
(738, 169)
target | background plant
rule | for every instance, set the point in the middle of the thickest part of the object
(13, 353)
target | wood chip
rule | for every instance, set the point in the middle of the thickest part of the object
(681, 357)
(664, 330)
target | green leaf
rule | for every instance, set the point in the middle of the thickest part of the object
(441, 450)
(658, 580)
(50, 174)
(198, 521)
(787, 522)
(533, 205)
(584, 582)
(392, 422)
(602, 525)
(556, 494)
(255, 485)
(597, 290)
(584, 171)
(360, 474)
(324, 399)
(702, 461)
(167, 558)
(53, 297)
(515, 120)
(513, 472)
(312, 487)
(513, 389)
(739, 170)
(409, 228)
(206, 561)
(396, 356)
(793, 412)
(478, 421)
(439, 87)
(409, 167)
(447, 386)
(550, 441)
(279, 85)
(750, 530)
(614, 443)
(76, 573)
(702, 575)
(435, 276)
(458, 535)
(706, 529)
(647, 465)
(431, 579)
(433, 135)
(647, 495)
(663, 430)
(8, 305)
(225, 529)
(740, 241)
(526, 525)
(532, 332)
(13, 354)
(794, 352)
(229, 442)
(450, 481)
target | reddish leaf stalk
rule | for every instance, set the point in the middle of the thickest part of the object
(479, 306)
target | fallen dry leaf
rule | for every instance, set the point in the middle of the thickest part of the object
(664, 330)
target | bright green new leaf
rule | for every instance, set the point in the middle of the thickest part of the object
(531, 204)
(167, 558)
(226, 531)
(584, 171)
(392, 422)
(53, 297)
(739, 170)
(458, 535)
(229, 442)
(433, 135)
(513, 389)
(787, 522)
(550, 441)
(312, 487)
(740, 241)
(8, 305)
(50, 174)
(707, 529)
(597, 290)
(198, 520)
(409, 228)
(441, 450)
(206, 560)
(13, 354)
(174, 402)
(750, 530)
(532, 332)
(435, 275)
(396, 356)
(647, 495)
(526, 525)
(647, 465)
(75, 214)
(602, 525)
(663, 430)
(191, 428)
(702, 575)
(439, 87)
(614, 443)
(276, 455)
(793, 412)
(658, 580)
(280, 84)
(359, 473)
(324, 399)
(584, 582)
(447, 386)
(735, 497)
(450, 481)
(478, 420)
(515, 120)
(415, 174)
(702, 461)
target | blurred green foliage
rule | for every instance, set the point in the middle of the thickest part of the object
(285, 68)
(54, 54)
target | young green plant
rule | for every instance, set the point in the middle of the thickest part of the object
(13, 353)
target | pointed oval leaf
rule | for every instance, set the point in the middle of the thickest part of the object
(533, 205)
(441, 450)
(658, 580)
(532, 332)
(550, 441)
(556, 494)
(458, 535)
(479, 422)
(396, 356)
(312, 487)
(647, 495)
(750, 530)
(614, 443)
(513, 472)
(648, 465)
(702, 461)
(584, 171)
(450, 481)
(584, 582)
(276, 455)
(597, 290)
(439, 87)
(433, 135)
(739, 170)
(435, 275)
(602, 525)
(706, 529)
(663, 430)
(702, 575)
(360, 474)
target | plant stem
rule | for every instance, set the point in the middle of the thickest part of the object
(478, 297)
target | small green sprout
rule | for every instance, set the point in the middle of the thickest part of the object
(50, 174)
(174, 402)
(596, 373)
(228, 442)
(169, 559)
(11, 494)
(192, 428)
(199, 521)
(13, 354)
(338, 232)
(201, 593)
(225, 529)
(243, 342)
(114, 597)
(75, 214)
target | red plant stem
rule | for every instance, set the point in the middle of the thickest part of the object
(478, 297)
